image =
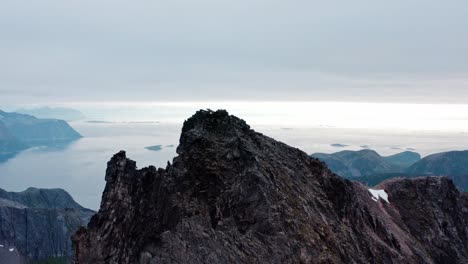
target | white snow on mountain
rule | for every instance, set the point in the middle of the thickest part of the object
(376, 194)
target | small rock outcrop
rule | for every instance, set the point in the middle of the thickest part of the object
(37, 224)
(233, 195)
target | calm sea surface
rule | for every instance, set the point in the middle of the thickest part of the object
(80, 166)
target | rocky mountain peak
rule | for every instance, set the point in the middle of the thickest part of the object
(211, 125)
(233, 195)
(214, 121)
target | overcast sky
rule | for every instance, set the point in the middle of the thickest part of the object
(207, 50)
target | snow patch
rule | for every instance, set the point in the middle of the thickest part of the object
(11, 249)
(2, 246)
(376, 194)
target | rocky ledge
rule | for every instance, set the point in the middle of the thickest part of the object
(233, 195)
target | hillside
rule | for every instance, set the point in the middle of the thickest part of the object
(351, 164)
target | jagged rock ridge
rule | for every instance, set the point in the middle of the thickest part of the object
(233, 195)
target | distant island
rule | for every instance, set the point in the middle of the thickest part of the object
(140, 122)
(99, 122)
(338, 145)
(67, 114)
(154, 148)
(20, 131)
(121, 122)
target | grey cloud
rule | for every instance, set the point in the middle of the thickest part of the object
(243, 50)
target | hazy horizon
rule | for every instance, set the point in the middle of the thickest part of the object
(386, 116)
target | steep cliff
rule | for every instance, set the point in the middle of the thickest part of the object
(236, 196)
(37, 224)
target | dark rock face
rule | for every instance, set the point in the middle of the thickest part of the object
(435, 213)
(38, 223)
(453, 164)
(236, 196)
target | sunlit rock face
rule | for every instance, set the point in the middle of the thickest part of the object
(233, 195)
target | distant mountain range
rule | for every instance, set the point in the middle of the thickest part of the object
(369, 167)
(404, 159)
(19, 131)
(453, 164)
(350, 164)
(36, 225)
(67, 114)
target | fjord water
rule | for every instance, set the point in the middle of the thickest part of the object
(79, 167)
